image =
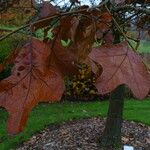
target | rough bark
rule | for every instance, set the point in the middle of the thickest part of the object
(112, 132)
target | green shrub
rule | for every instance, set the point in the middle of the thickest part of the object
(81, 87)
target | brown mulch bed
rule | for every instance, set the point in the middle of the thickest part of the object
(84, 135)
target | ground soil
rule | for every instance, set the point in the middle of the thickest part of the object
(84, 135)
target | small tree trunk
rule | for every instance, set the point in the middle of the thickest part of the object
(112, 133)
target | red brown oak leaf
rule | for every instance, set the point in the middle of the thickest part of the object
(46, 11)
(31, 82)
(68, 27)
(62, 58)
(80, 31)
(103, 24)
(121, 66)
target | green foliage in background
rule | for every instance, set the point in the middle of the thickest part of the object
(81, 87)
(6, 47)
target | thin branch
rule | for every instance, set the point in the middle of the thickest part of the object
(68, 9)
(119, 28)
(133, 39)
(137, 9)
(20, 28)
(50, 18)
(126, 38)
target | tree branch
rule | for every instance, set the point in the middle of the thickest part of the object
(50, 18)
(137, 9)
(124, 35)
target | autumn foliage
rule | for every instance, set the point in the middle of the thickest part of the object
(120, 66)
(40, 66)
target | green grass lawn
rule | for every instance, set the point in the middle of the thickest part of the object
(48, 114)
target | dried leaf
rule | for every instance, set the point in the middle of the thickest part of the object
(62, 58)
(92, 65)
(103, 24)
(121, 66)
(104, 21)
(84, 38)
(108, 38)
(46, 11)
(31, 82)
(68, 27)
(81, 31)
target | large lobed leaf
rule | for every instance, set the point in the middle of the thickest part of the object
(62, 58)
(81, 33)
(32, 81)
(121, 65)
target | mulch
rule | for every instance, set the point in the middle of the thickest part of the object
(84, 134)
